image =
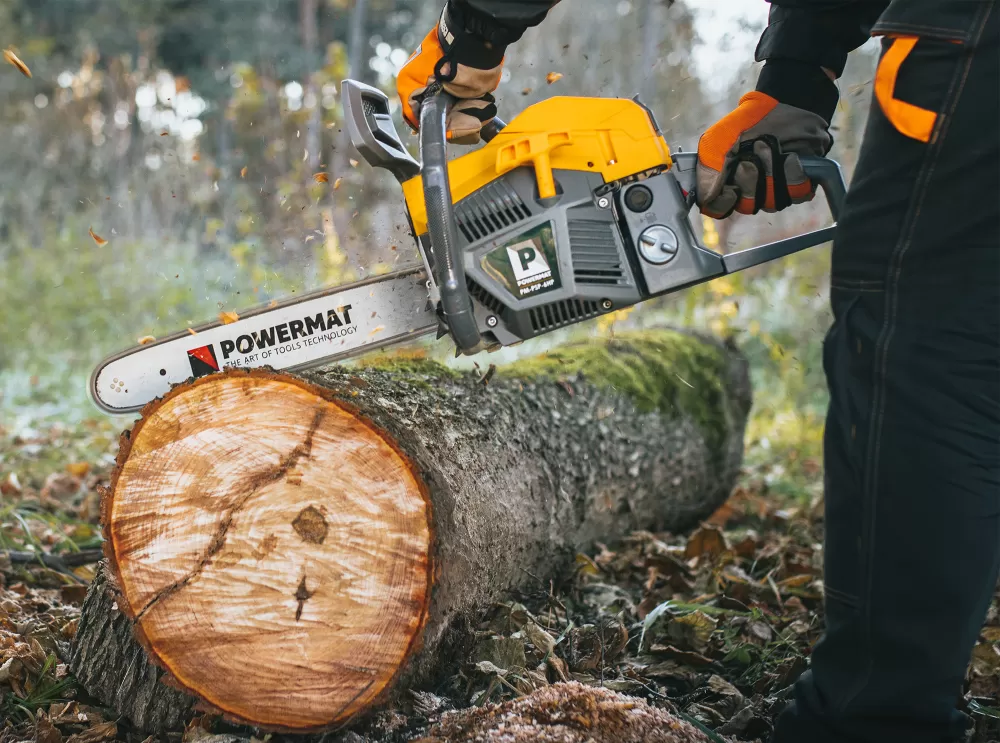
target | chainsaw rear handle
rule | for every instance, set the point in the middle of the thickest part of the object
(822, 172)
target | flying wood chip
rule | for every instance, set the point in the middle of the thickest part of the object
(552, 77)
(336, 183)
(101, 242)
(353, 162)
(16, 61)
(145, 340)
(228, 317)
(321, 178)
(243, 173)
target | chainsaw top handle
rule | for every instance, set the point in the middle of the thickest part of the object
(449, 273)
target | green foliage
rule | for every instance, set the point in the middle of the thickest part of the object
(44, 690)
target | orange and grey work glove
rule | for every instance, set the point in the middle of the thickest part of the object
(748, 161)
(466, 62)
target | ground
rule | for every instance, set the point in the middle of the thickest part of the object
(710, 626)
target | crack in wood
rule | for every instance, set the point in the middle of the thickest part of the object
(302, 594)
(302, 451)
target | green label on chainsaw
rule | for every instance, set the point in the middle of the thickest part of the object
(527, 264)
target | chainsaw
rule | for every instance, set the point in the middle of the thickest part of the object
(574, 209)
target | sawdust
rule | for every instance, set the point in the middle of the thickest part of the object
(565, 713)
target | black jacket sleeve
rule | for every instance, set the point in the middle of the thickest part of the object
(505, 19)
(805, 36)
(513, 12)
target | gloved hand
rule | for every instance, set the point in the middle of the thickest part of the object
(748, 160)
(466, 63)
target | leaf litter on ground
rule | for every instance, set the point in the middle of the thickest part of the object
(682, 637)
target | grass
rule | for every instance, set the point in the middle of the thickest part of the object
(44, 689)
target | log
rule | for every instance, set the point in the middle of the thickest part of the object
(292, 550)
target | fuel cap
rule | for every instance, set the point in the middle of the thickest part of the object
(658, 244)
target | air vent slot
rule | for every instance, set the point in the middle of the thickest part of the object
(595, 254)
(492, 208)
(484, 298)
(557, 314)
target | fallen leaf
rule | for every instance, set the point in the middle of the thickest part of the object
(9, 55)
(228, 317)
(96, 734)
(759, 631)
(336, 183)
(540, 638)
(558, 667)
(45, 731)
(142, 341)
(101, 242)
(691, 659)
(707, 540)
(552, 77)
(321, 178)
(796, 581)
(79, 469)
(693, 630)
(11, 485)
(73, 594)
(353, 162)
(59, 486)
(243, 173)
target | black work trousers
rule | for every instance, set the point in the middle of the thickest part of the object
(912, 440)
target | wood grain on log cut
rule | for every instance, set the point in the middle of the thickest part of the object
(295, 550)
(273, 549)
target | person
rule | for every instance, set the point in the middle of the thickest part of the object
(912, 358)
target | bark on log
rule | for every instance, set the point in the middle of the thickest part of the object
(294, 549)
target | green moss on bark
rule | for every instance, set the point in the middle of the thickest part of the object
(673, 372)
(417, 366)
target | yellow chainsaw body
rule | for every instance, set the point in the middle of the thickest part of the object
(614, 137)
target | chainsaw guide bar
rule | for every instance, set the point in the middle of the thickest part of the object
(296, 334)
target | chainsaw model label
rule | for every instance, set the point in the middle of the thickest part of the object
(527, 265)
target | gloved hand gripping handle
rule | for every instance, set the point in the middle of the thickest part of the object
(449, 273)
(821, 171)
(826, 174)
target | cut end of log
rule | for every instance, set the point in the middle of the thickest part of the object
(274, 548)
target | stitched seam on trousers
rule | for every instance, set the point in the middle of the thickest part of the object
(882, 347)
(872, 290)
(858, 282)
(916, 28)
(841, 596)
